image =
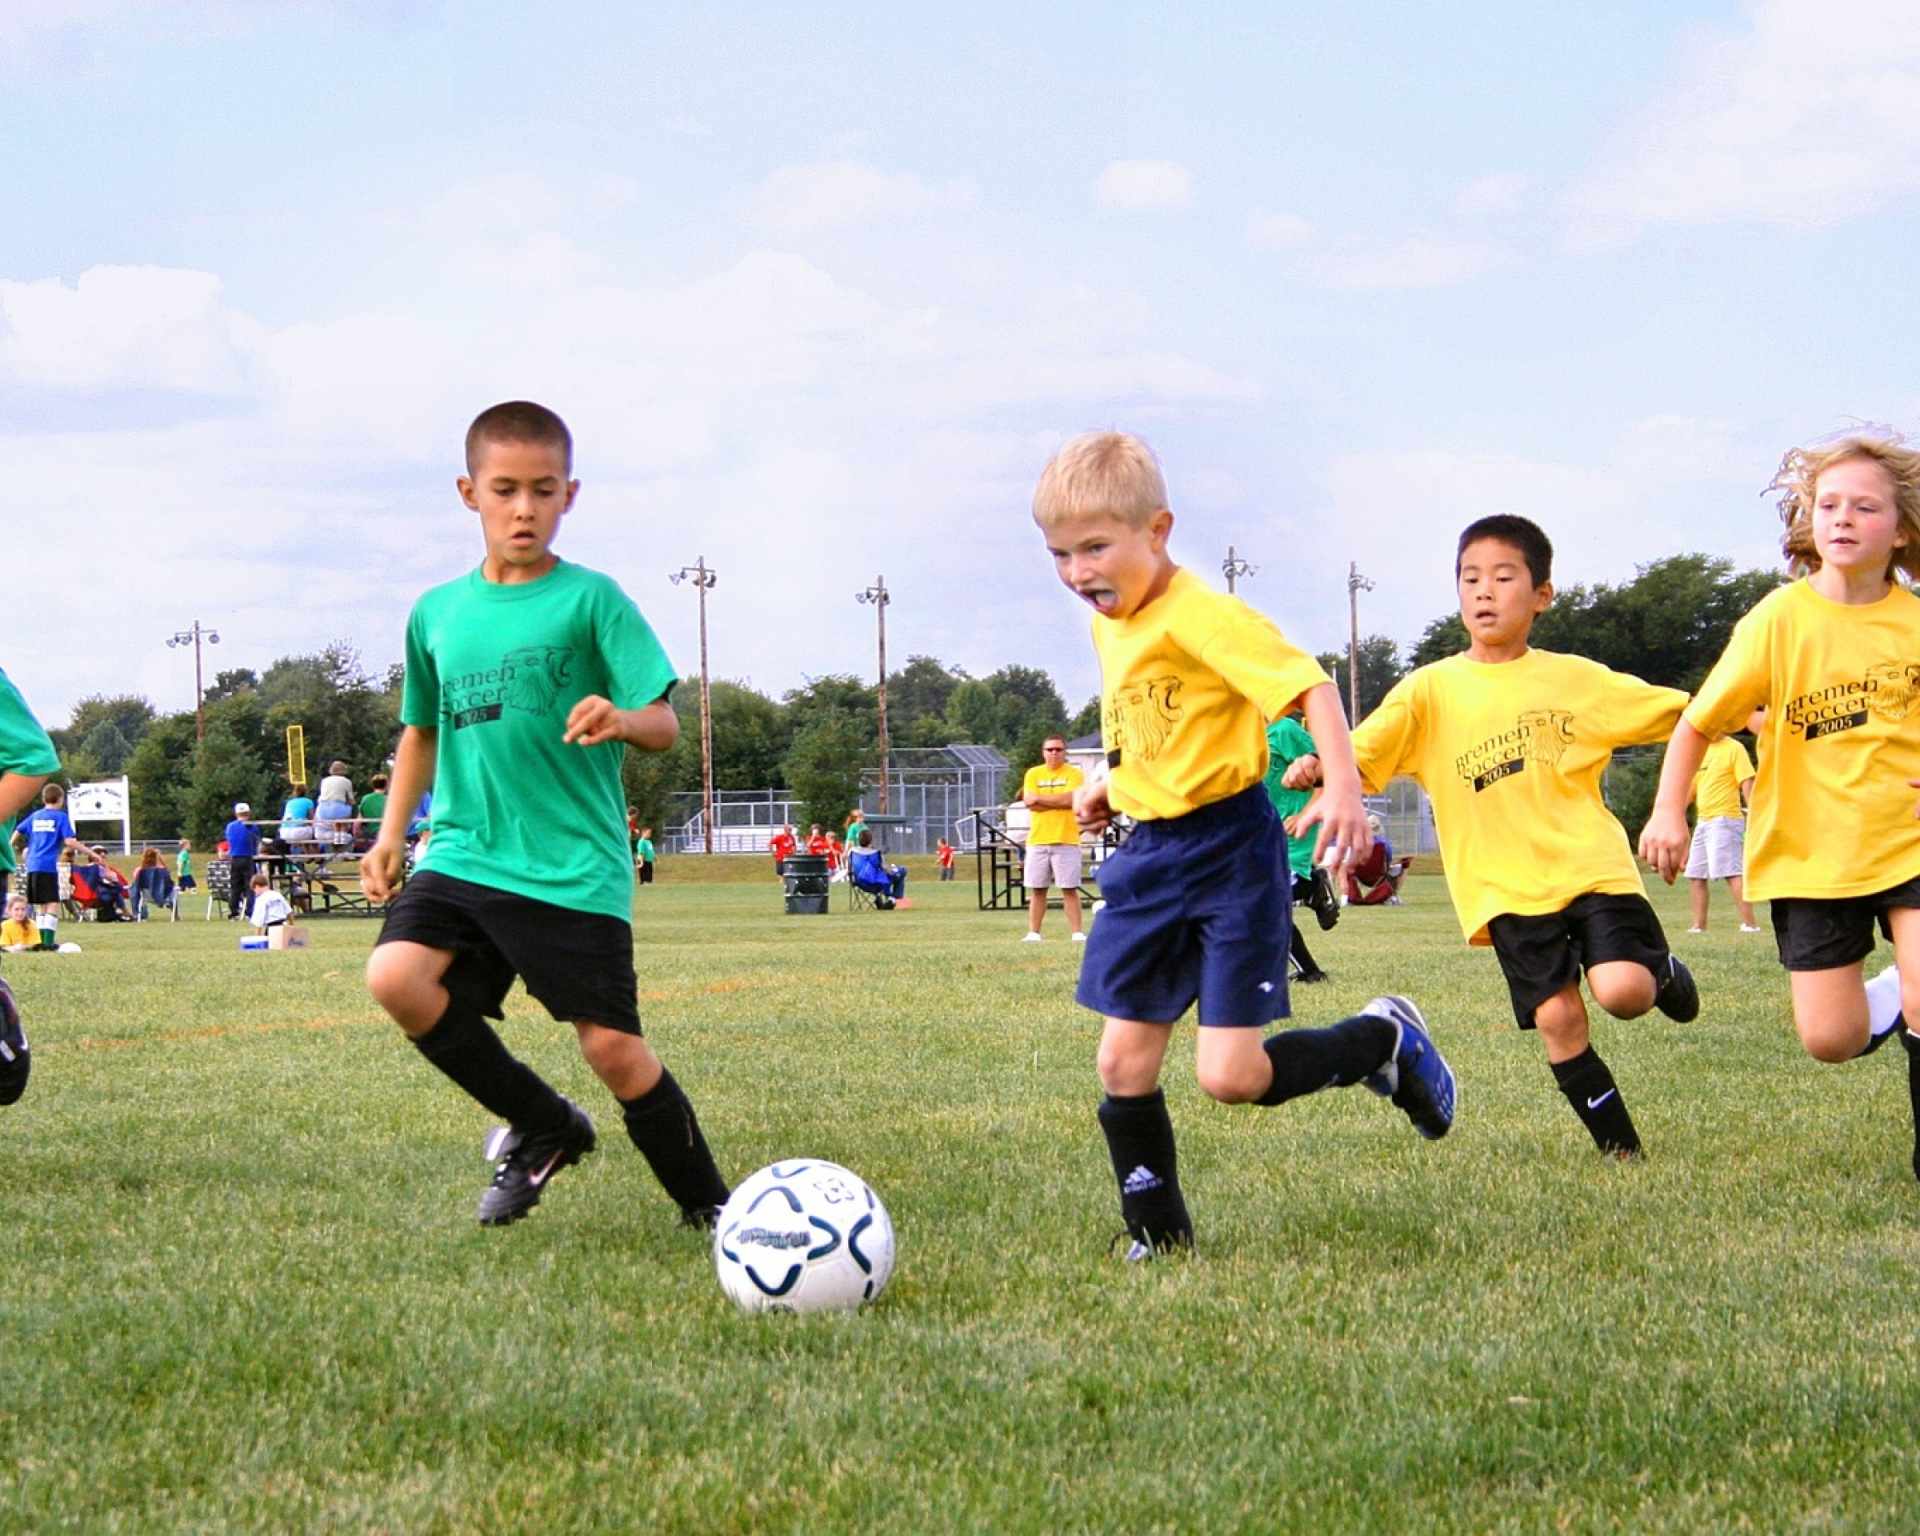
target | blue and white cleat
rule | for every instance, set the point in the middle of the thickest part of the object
(1416, 1076)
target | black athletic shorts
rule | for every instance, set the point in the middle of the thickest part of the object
(577, 965)
(1817, 933)
(43, 887)
(1541, 955)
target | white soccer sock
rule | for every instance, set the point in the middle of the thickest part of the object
(1883, 1001)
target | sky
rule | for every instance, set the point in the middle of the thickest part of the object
(819, 290)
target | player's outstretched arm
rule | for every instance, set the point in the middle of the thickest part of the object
(17, 792)
(1664, 840)
(595, 719)
(414, 760)
(1338, 809)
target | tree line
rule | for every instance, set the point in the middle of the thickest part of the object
(1667, 625)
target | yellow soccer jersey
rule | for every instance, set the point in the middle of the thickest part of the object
(1511, 754)
(1049, 828)
(1187, 686)
(1831, 813)
(1716, 787)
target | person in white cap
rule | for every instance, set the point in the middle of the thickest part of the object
(243, 845)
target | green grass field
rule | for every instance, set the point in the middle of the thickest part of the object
(241, 1288)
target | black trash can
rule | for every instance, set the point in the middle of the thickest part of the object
(806, 880)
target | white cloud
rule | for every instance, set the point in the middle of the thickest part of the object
(1499, 193)
(1144, 186)
(801, 199)
(127, 328)
(1278, 231)
(1418, 261)
(1808, 115)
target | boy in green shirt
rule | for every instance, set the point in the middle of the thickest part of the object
(27, 759)
(526, 680)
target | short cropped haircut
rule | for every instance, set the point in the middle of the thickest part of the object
(1799, 476)
(518, 421)
(1523, 534)
(53, 794)
(1101, 473)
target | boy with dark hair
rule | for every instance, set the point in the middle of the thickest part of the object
(26, 758)
(1510, 743)
(526, 680)
(45, 834)
(1198, 896)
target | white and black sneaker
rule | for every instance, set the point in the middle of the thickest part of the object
(524, 1162)
(16, 1060)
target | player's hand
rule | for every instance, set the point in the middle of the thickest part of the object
(1664, 843)
(1341, 815)
(381, 867)
(1302, 773)
(1091, 808)
(593, 720)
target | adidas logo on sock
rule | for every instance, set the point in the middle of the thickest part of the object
(1140, 1181)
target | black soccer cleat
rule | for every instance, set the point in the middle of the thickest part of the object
(700, 1218)
(16, 1060)
(523, 1163)
(1322, 898)
(1678, 997)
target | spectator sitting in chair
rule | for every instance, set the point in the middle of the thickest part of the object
(1375, 880)
(296, 817)
(115, 892)
(870, 872)
(336, 790)
(151, 884)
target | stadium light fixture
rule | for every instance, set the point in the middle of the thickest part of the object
(878, 595)
(703, 578)
(1356, 584)
(1234, 566)
(193, 637)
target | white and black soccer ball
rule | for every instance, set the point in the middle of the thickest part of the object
(804, 1236)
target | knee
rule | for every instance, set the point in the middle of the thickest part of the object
(1562, 1022)
(1127, 1073)
(1234, 1083)
(403, 990)
(1624, 997)
(1832, 1040)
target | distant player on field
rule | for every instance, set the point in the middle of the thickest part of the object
(1510, 743)
(1721, 787)
(526, 680)
(1835, 657)
(1198, 897)
(26, 759)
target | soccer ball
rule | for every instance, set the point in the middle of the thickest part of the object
(805, 1236)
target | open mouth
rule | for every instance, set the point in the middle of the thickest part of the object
(1102, 598)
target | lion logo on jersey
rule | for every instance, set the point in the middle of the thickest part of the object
(536, 674)
(1549, 734)
(1143, 717)
(1894, 686)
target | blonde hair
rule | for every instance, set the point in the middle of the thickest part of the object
(1799, 477)
(1101, 473)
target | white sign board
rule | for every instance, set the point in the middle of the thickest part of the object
(107, 800)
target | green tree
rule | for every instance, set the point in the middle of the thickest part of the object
(227, 684)
(225, 771)
(973, 714)
(1380, 669)
(1087, 722)
(343, 712)
(917, 702)
(102, 732)
(1027, 702)
(160, 777)
(824, 764)
(106, 749)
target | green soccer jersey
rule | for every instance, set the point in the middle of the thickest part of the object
(643, 850)
(373, 807)
(1287, 739)
(496, 668)
(24, 748)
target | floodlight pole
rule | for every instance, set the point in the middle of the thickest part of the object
(1356, 584)
(703, 577)
(1234, 566)
(878, 595)
(193, 637)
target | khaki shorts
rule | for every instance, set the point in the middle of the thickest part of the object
(1051, 864)
(1719, 849)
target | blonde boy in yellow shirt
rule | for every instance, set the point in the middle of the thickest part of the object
(1198, 898)
(1510, 744)
(1832, 839)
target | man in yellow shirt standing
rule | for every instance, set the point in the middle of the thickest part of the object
(1720, 790)
(1053, 838)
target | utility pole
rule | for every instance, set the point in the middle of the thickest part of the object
(1356, 584)
(878, 595)
(703, 577)
(1234, 566)
(193, 637)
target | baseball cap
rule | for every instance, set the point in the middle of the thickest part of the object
(241, 808)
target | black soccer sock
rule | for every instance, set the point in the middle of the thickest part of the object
(662, 1124)
(1139, 1134)
(1595, 1098)
(464, 1046)
(1303, 956)
(1307, 1060)
(1912, 1043)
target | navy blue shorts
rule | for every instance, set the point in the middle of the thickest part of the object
(1197, 909)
